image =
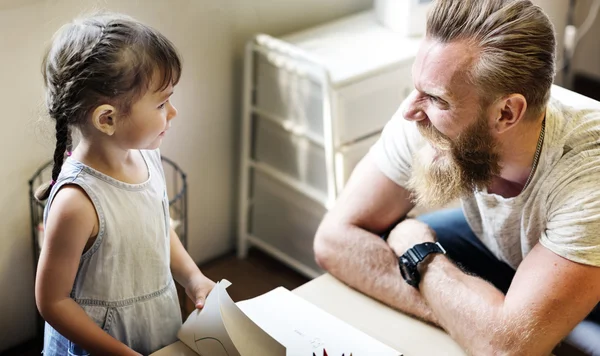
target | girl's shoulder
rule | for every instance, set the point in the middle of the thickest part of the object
(153, 155)
(71, 213)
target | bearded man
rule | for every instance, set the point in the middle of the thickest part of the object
(517, 268)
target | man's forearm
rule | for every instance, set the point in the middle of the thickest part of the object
(365, 262)
(471, 310)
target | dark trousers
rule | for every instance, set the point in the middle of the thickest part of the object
(468, 252)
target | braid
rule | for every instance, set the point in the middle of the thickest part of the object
(69, 80)
(69, 141)
(104, 58)
(75, 69)
(63, 139)
(63, 106)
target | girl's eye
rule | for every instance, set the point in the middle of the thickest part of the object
(162, 105)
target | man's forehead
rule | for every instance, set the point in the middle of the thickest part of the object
(440, 68)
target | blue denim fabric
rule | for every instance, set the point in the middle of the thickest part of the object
(468, 252)
(124, 282)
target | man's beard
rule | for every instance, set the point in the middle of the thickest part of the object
(444, 170)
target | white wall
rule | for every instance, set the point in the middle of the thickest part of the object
(556, 11)
(210, 35)
(587, 52)
(586, 58)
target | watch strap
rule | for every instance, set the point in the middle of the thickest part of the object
(418, 252)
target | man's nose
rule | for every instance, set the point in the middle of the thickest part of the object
(413, 110)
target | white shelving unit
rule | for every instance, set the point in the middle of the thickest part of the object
(314, 103)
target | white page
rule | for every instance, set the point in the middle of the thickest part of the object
(303, 328)
(249, 339)
(204, 331)
(222, 329)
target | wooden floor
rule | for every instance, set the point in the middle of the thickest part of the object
(250, 277)
(253, 276)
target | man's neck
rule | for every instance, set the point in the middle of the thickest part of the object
(518, 153)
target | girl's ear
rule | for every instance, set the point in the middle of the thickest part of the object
(104, 119)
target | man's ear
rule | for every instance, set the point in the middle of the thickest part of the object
(509, 111)
(104, 119)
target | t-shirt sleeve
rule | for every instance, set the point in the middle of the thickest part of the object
(393, 152)
(573, 229)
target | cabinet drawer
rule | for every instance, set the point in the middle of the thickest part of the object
(287, 95)
(302, 159)
(364, 107)
(359, 109)
(349, 156)
(291, 154)
(284, 218)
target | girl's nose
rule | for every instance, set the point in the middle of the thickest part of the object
(172, 111)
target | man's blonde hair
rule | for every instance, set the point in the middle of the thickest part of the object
(514, 42)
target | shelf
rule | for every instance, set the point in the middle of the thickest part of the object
(314, 102)
(288, 125)
(354, 47)
(286, 258)
(299, 187)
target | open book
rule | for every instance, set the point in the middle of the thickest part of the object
(277, 323)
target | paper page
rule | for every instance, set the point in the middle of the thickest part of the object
(303, 328)
(249, 339)
(204, 331)
(221, 329)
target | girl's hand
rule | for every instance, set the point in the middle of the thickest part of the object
(198, 288)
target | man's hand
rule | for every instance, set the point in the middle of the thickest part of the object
(198, 288)
(408, 233)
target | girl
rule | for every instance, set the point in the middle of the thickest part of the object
(105, 278)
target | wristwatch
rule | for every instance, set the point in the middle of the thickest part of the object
(410, 260)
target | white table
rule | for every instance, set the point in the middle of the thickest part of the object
(401, 332)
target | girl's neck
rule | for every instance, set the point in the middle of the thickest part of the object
(122, 164)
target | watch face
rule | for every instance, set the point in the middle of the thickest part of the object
(407, 269)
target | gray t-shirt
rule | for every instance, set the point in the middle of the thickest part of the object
(560, 207)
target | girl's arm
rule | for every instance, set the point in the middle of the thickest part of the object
(186, 272)
(71, 221)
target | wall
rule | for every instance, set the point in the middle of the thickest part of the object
(210, 35)
(586, 59)
(556, 11)
(587, 52)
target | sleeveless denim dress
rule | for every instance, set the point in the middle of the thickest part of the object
(124, 281)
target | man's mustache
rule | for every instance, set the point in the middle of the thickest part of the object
(437, 139)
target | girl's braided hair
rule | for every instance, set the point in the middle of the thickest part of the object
(102, 59)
